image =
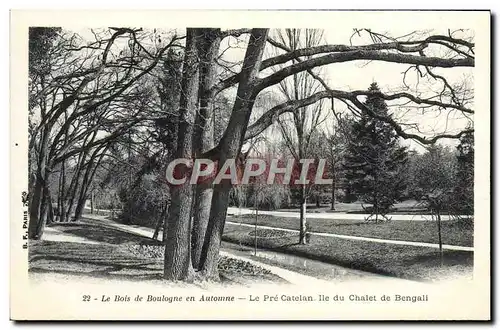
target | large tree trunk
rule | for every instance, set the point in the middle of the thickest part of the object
(44, 211)
(37, 205)
(35, 209)
(61, 193)
(178, 264)
(43, 216)
(50, 209)
(230, 147)
(201, 212)
(210, 252)
(203, 140)
(80, 204)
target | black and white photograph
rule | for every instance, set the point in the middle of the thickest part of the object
(320, 168)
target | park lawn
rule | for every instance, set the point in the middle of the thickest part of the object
(94, 260)
(404, 207)
(408, 262)
(122, 255)
(454, 232)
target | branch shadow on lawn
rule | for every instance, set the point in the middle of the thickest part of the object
(104, 261)
(449, 258)
(101, 233)
(111, 259)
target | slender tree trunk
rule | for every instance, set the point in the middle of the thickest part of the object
(256, 221)
(438, 214)
(333, 193)
(70, 202)
(303, 218)
(230, 147)
(164, 221)
(92, 165)
(73, 186)
(303, 197)
(159, 222)
(92, 202)
(375, 198)
(299, 127)
(50, 209)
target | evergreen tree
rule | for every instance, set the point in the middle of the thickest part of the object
(374, 159)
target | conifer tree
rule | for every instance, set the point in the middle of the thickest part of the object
(374, 159)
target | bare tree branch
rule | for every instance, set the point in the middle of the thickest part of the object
(269, 117)
(362, 55)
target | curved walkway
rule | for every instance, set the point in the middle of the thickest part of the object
(334, 215)
(290, 276)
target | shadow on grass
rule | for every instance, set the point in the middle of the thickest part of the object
(102, 274)
(114, 271)
(105, 261)
(449, 258)
(101, 233)
(110, 259)
(288, 245)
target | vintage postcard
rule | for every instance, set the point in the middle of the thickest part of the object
(250, 165)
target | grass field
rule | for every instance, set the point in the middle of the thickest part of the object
(409, 262)
(404, 207)
(454, 232)
(122, 256)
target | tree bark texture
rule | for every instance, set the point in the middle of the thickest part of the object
(203, 140)
(230, 147)
(178, 265)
